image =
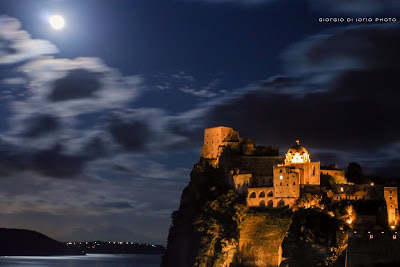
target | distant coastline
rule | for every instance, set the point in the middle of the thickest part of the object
(21, 242)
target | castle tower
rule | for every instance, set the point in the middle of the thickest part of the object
(215, 138)
(390, 194)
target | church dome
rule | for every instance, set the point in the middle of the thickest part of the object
(297, 148)
(297, 154)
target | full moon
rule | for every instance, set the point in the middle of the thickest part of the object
(57, 22)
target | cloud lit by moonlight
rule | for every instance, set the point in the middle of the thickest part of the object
(57, 22)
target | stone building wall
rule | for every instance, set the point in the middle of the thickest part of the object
(286, 182)
(354, 192)
(390, 194)
(260, 166)
(261, 197)
(310, 172)
(338, 175)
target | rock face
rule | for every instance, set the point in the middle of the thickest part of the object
(18, 242)
(261, 235)
(214, 227)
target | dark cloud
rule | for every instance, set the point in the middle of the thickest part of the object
(16, 45)
(144, 130)
(358, 47)
(6, 48)
(69, 88)
(122, 205)
(238, 2)
(78, 83)
(132, 131)
(338, 7)
(355, 7)
(40, 125)
(54, 163)
(352, 108)
(51, 162)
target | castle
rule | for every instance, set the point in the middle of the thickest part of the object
(271, 181)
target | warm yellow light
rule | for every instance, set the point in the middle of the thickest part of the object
(57, 22)
(392, 226)
(349, 221)
(372, 184)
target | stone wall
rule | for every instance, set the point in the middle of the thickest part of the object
(390, 194)
(286, 182)
(261, 197)
(338, 175)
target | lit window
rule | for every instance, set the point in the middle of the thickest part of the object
(281, 177)
(371, 236)
(394, 236)
(342, 189)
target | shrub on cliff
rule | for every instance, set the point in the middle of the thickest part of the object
(218, 224)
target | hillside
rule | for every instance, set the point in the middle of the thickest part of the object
(19, 242)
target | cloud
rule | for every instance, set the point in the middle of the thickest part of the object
(13, 81)
(239, 2)
(16, 45)
(78, 83)
(71, 87)
(199, 93)
(356, 7)
(183, 76)
(340, 96)
(142, 130)
(341, 49)
(40, 124)
(338, 7)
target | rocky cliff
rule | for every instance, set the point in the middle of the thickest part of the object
(214, 227)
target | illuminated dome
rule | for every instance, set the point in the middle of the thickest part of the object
(297, 148)
(297, 154)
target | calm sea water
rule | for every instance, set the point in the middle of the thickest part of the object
(98, 260)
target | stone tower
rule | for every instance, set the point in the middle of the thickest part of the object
(390, 194)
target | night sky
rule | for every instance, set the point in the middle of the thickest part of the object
(102, 121)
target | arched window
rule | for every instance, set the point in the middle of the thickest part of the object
(262, 203)
(281, 171)
(281, 184)
(270, 204)
(313, 170)
(270, 194)
(252, 195)
(281, 203)
(294, 183)
(262, 194)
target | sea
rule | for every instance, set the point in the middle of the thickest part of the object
(98, 260)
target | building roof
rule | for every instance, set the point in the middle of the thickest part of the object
(297, 148)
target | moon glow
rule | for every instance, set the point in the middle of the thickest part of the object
(57, 22)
